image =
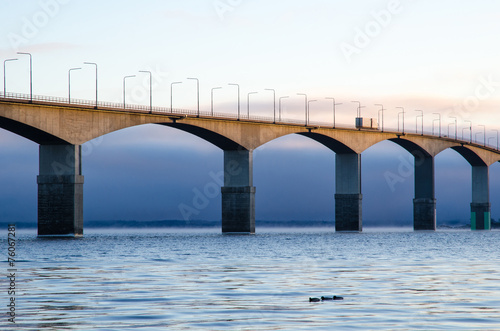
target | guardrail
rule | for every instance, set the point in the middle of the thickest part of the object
(104, 105)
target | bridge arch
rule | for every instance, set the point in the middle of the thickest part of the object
(30, 132)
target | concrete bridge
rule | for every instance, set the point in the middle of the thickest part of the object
(61, 128)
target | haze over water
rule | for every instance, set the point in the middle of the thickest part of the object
(160, 279)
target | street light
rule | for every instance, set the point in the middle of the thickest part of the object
(31, 74)
(381, 110)
(172, 96)
(416, 120)
(334, 104)
(484, 133)
(4, 79)
(124, 78)
(305, 95)
(248, 103)
(403, 112)
(212, 99)
(497, 136)
(308, 112)
(358, 111)
(470, 129)
(279, 102)
(150, 89)
(197, 93)
(95, 64)
(437, 119)
(69, 83)
(274, 102)
(455, 127)
(238, 86)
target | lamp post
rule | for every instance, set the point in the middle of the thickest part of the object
(437, 119)
(455, 126)
(150, 89)
(381, 110)
(402, 112)
(212, 99)
(470, 129)
(238, 86)
(94, 64)
(358, 110)
(279, 107)
(124, 79)
(248, 103)
(172, 95)
(334, 104)
(497, 136)
(308, 112)
(197, 94)
(4, 76)
(416, 120)
(69, 82)
(274, 103)
(484, 134)
(305, 95)
(31, 74)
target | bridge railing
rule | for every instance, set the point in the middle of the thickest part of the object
(105, 105)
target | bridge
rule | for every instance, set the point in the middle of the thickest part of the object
(60, 126)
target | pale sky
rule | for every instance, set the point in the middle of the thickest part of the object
(438, 56)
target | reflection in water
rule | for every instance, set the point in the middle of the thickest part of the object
(193, 280)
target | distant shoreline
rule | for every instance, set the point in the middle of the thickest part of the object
(217, 224)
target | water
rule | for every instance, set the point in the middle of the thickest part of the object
(203, 280)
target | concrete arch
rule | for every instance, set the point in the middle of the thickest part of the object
(329, 142)
(412, 147)
(471, 157)
(29, 132)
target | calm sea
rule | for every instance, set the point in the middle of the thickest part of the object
(203, 280)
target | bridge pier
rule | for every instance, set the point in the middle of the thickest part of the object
(424, 204)
(60, 191)
(238, 193)
(480, 206)
(348, 197)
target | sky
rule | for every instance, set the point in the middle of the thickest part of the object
(439, 57)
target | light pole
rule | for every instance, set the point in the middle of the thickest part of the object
(403, 112)
(172, 95)
(31, 74)
(455, 127)
(274, 102)
(94, 64)
(248, 103)
(334, 104)
(212, 99)
(150, 89)
(4, 79)
(69, 82)
(197, 94)
(238, 86)
(470, 129)
(381, 110)
(305, 95)
(437, 119)
(416, 121)
(484, 134)
(279, 107)
(308, 112)
(124, 78)
(497, 136)
(358, 111)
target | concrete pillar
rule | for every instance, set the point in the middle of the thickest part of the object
(348, 213)
(238, 193)
(60, 191)
(424, 204)
(480, 206)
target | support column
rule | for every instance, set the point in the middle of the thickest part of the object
(480, 206)
(424, 204)
(238, 193)
(348, 213)
(60, 191)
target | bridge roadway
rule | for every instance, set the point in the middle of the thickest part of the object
(61, 128)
